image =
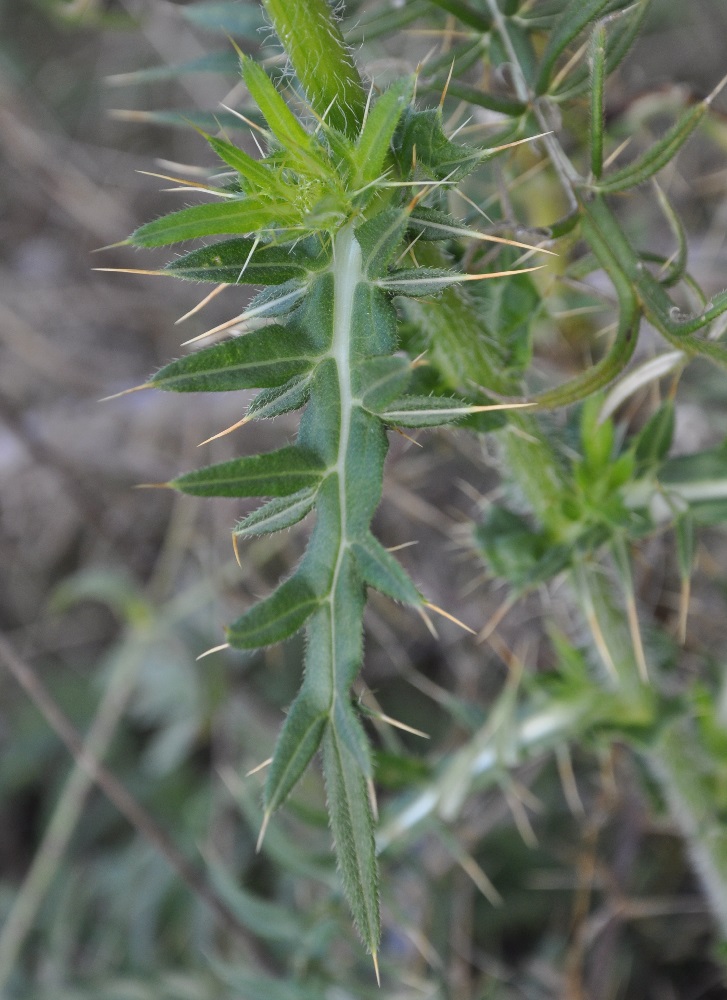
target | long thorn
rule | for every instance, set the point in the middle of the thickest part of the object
(446, 86)
(403, 545)
(408, 437)
(126, 392)
(428, 622)
(113, 246)
(447, 615)
(259, 767)
(263, 830)
(247, 121)
(215, 649)
(368, 106)
(202, 304)
(175, 180)
(375, 959)
(132, 270)
(402, 725)
(716, 91)
(228, 430)
(236, 549)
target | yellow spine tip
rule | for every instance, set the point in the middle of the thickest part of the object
(375, 959)
(263, 830)
(215, 649)
(113, 246)
(126, 392)
(236, 549)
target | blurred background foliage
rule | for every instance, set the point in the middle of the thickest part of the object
(552, 869)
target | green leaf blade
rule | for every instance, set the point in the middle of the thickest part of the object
(233, 215)
(380, 570)
(372, 148)
(321, 60)
(298, 741)
(275, 473)
(255, 361)
(277, 514)
(425, 411)
(276, 617)
(353, 832)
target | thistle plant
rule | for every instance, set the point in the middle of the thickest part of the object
(325, 220)
(375, 315)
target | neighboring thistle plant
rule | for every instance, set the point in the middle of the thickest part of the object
(324, 220)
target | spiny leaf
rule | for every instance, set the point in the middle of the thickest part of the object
(351, 733)
(425, 411)
(381, 571)
(419, 281)
(660, 153)
(321, 60)
(422, 135)
(276, 617)
(279, 513)
(263, 358)
(379, 239)
(275, 473)
(233, 215)
(257, 172)
(299, 739)
(282, 122)
(244, 261)
(380, 380)
(484, 98)
(352, 826)
(280, 399)
(421, 219)
(373, 143)
(573, 19)
(618, 43)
